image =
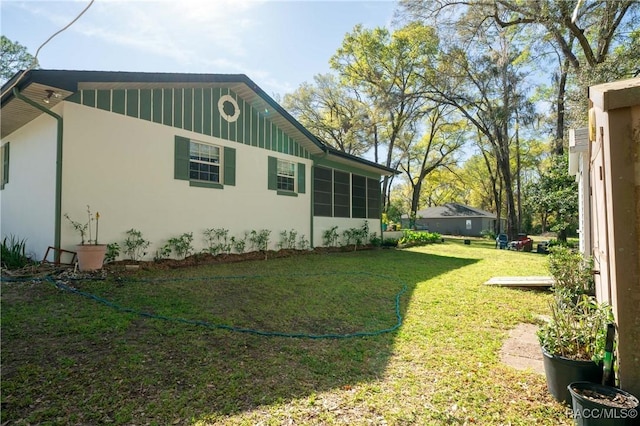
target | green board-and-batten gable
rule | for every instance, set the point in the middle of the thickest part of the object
(183, 101)
(197, 110)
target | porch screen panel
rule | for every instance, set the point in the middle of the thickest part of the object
(341, 194)
(373, 199)
(359, 196)
(322, 191)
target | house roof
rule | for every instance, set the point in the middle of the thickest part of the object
(453, 210)
(37, 84)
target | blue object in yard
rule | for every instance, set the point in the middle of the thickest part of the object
(502, 240)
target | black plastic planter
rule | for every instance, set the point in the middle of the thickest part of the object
(561, 371)
(587, 412)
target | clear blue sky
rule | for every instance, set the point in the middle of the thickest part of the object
(278, 44)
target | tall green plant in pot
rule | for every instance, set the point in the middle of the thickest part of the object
(573, 340)
(91, 254)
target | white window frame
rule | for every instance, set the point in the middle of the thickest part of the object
(219, 164)
(281, 173)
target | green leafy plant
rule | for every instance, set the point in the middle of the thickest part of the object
(13, 253)
(182, 245)
(576, 330)
(330, 237)
(162, 253)
(135, 245)
(288, 239)
(113, 251)
(578, 324)
(259, 239)
(489, 234)
(217, 240)
(390, 242)
(239, 244)
(84, 229)
(571, 271)
(303, 243)
(418, 238)
(356, 236)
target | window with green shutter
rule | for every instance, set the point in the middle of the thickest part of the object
(5, 165)
(286, 177)
(203, 164)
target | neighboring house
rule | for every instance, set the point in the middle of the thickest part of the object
(453, 219)
(168, 154)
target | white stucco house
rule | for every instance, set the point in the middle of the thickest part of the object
(167, 154)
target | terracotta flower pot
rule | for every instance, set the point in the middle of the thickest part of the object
(91, 256)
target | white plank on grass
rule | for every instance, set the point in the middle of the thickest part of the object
(530, 281)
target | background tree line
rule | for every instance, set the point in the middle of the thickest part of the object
(472, 101)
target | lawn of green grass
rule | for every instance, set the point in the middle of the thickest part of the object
(67, 359)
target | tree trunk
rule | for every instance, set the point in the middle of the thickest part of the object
(415, 203)
(518, 167)
(558, 148)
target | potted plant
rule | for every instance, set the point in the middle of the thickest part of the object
(573, 340)
(599, 405)
(90, 253)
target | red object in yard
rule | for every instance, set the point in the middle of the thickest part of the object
(523, 243)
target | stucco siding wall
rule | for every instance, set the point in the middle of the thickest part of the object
(28, 200)
(123, 167)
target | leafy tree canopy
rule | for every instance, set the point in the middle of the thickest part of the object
(13, 58)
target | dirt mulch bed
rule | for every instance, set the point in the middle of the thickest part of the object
(42, 270)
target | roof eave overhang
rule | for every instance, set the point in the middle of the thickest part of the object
(337, 156)
(35, 83)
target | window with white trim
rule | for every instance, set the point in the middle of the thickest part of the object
(286, 177)
(204, 162)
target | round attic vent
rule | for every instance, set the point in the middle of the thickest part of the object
(228, 108)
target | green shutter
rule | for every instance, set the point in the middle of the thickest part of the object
(5, 165)
(181, 165)
(229, 166)
(301, 178)
(273, 173)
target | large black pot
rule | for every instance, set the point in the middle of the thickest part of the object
(587, 412)
(562, 371)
